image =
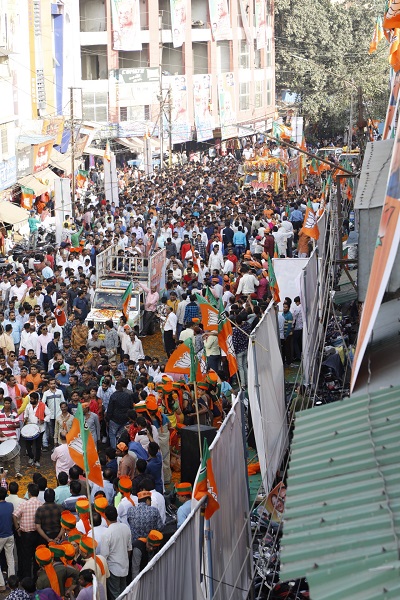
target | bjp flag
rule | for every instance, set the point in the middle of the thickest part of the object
(392, 16)
(310, 225)
(82, 448)
(126, 300)
(206, 484)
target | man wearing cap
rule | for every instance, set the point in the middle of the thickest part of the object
(116, 544)
(143, 517)
(53, 575)
(128, 500)
(184, 493)
(127, 464)
(143, 550)
(87, 546)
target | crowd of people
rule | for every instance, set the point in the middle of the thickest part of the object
(218, 235)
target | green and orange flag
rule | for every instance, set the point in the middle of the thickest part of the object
(206, 485)
(185, 361)
(82, 448)
(81, 178)
(126, 300)
(27, 197)
(310, 225)
(273, 284)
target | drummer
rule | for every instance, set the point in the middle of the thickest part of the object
(38, 414)
(9, 425)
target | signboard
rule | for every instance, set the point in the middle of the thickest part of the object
(24, 161)
(41, 155)
(136, 87)
(54, 127)
(8, 172)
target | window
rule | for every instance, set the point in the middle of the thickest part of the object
(223, 57)
(95, 106)
(268, 53)
(239, 15)
(92, 15)
(135, 59)
(3, 139)
(165, 10)
(133, 113)
(244, 55)
(94, 62)
(258, 94)
(244, 96)
(269, 92)
(172, 60)
(257, 56)
(200, 58)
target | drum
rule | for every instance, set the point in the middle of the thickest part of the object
(9, 450)
(30, 432)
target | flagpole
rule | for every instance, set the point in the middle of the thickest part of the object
(97, 596)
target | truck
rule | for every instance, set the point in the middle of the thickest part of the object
(114, 272)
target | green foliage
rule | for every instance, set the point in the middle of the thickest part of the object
(322, 55)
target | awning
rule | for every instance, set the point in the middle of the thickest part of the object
(342, 510)
(93, 151)
(32, 139)
(31, 182)
(63, 161)
(9, 213)
(133, 144)
(46, 177)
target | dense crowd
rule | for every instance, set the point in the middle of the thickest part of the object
(218, 233)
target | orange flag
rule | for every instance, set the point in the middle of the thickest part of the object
(206, 485)
(392, 16)
(310, 224)
(82, 448)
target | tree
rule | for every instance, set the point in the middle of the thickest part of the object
(322, 56)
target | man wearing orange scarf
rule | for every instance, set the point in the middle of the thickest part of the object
(52, 574)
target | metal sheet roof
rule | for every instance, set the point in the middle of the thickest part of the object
(342, 514)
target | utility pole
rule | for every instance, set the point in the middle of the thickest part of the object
(350, 136)
(170, 126)
(71, 108)
(161, 94)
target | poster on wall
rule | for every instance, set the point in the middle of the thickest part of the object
(202, 108)
(178, 22)
(227, 108)
(126, 25)
(260, 8)
(181, 128)
(220, 20)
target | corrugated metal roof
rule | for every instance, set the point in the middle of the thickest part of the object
(342, 514)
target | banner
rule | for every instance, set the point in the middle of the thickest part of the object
(62, 204)
(178, 22)
(181, 128)
(41, 155)
(53, 127)
(385, 253)
(245, 21)
(227, 108)
(136, 87)
(202, 113)
(126, 24)
(261, 23)
(293, 172)
(391, 109)
(220, 20)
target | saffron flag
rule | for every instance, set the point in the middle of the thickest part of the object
(310, 224)
(392, 16)
(313, 168)
(209, 314)
(206, 485)
(82, 448)
(281, 132)
(27, 197)
(394, 50)
(273, 284)
(225, 338)
(185, 361)
(391, 109)
(276, 250)
(107, 152)
(376, 36)
(81, 178)
(126, 300)
(211, 298)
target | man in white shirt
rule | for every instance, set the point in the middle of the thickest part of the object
(216, 260)
(52, 398)
(61, 455)
(19, 289)
(180, 313)
(229, 267)
(248, 282)
(116, 543)
(170, 326)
